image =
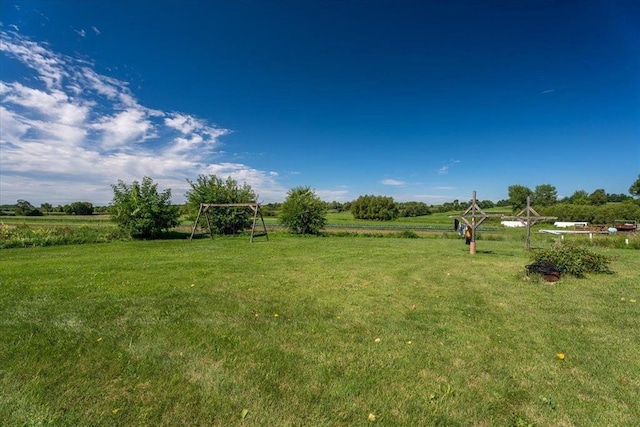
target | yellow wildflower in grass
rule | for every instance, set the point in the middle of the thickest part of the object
(560, 356)
(372, 417)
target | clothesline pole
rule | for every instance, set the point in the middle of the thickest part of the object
(472, 245)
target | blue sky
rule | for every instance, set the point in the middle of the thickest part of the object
(418, 100)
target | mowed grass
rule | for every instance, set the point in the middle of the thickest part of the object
(321, 331)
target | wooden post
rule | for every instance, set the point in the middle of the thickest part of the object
(530, 217)
(472, 246)
(206, 215)
(473, 220)
(195, 224)
(528, 222)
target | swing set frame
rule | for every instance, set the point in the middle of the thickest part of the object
(255, 207)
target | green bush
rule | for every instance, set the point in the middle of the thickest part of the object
(303, 212)
(140, 211)
(571, 258)
(408, 234)
(379, 208)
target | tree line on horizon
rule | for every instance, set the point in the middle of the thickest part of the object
(142, 211)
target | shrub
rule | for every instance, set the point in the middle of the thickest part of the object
(140, 211)
(303, 212)
(408, 234)
(573, 259)
(379, 208)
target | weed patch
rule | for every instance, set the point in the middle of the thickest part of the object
(23, 236)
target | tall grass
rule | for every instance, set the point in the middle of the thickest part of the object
(25, 236)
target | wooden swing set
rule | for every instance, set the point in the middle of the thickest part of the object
(255, 207)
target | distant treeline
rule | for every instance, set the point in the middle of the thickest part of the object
(24, 208)
(595, 207)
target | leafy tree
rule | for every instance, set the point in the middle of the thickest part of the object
(603, 214)
(46, 207)
(518, 196)
(212, 189)
(270, 209)
(581, 201)
(380, 208)
(142, 212)
(598, 197)
(634, 190)
(303, 212)
(486, 204)
(545, 195)
(23, 207)
(614, 198)
(413, 209)
(79, 208)
(578, 196)
(335, 206)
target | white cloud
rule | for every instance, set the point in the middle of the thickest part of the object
(333, 195)
(47, 64)
(70, 133)
(81, 33)
(121, 129)
(392, 182)
(445, 169)
(96, 30)
(182, 123)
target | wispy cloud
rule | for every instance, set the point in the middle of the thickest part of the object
(392, 182)
(95, 30)
(445, 168)
(70, 132)
(548, 91)
(81, 33)
(340, 195)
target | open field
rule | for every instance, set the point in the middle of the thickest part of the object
(313, 331)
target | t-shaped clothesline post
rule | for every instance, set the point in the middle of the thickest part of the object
(473, 217)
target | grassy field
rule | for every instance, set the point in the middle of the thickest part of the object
(322, 331)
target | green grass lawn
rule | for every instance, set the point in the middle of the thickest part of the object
(315, 331)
